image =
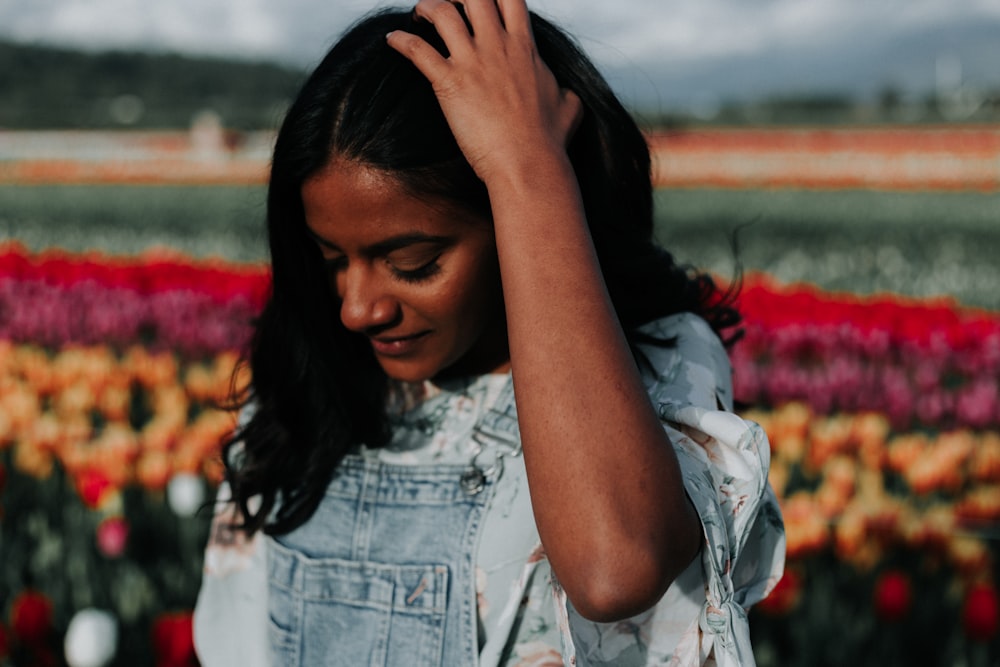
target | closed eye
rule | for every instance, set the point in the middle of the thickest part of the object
(417, 274)
(416, 261)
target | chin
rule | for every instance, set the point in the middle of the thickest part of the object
(409, 372)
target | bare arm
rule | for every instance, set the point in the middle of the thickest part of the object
(605, 484)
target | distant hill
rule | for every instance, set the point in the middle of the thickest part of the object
(49, 87)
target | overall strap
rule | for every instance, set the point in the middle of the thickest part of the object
(497, 435)
(500, 421)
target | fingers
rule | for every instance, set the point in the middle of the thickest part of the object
(423, 56)
(516, 18)
(497, 17)
(444, 15)
(448, 23)
(490, 20)
(484, 17)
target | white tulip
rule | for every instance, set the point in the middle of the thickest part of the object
(185, 494)
(91, 639)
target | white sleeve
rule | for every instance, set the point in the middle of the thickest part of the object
(230, 616)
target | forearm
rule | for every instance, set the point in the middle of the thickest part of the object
(605, 484)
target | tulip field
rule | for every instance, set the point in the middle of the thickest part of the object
(877, 381)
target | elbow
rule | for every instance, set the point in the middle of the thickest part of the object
(625, 588)
(624, 577)
(611, 604)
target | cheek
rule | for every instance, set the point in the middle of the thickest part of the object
(484, 297)
(452, 304)
(465, 304)
(467, 299)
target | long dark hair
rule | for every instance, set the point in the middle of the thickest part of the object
(317, 390)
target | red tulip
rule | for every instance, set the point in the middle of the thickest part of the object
(31, 617)
(893, 595)
(785, 595)
(92, 486)
(981, 612)
(173, 640)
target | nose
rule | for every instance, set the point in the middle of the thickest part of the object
(365, 302)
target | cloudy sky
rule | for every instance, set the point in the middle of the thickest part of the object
(658, 52)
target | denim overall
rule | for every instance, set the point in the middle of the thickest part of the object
(383, 574)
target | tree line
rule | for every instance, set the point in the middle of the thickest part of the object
(44, 87)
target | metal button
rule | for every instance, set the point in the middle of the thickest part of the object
(473, 481)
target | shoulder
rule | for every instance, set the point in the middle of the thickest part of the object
(690, 365)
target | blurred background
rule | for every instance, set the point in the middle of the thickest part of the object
(843, 157)
(873, 124)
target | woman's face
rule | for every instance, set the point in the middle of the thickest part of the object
(420, 281)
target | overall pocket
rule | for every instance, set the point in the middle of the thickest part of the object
(329, 611)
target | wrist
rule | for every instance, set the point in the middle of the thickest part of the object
(540, 171)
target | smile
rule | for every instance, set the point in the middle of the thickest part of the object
(397, 346)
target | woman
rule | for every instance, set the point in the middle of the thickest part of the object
(468, 308)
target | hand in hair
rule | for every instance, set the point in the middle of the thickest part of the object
(606, 490)
(501, 101)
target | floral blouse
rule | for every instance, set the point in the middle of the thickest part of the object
(525, 618)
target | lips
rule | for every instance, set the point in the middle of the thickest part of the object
(398, 346)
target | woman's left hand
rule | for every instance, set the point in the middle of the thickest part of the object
(501, 101)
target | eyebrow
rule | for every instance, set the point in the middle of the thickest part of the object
(389, 244)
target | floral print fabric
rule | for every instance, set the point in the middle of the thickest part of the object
(525, 619)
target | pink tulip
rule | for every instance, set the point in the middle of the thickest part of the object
(112, 536)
